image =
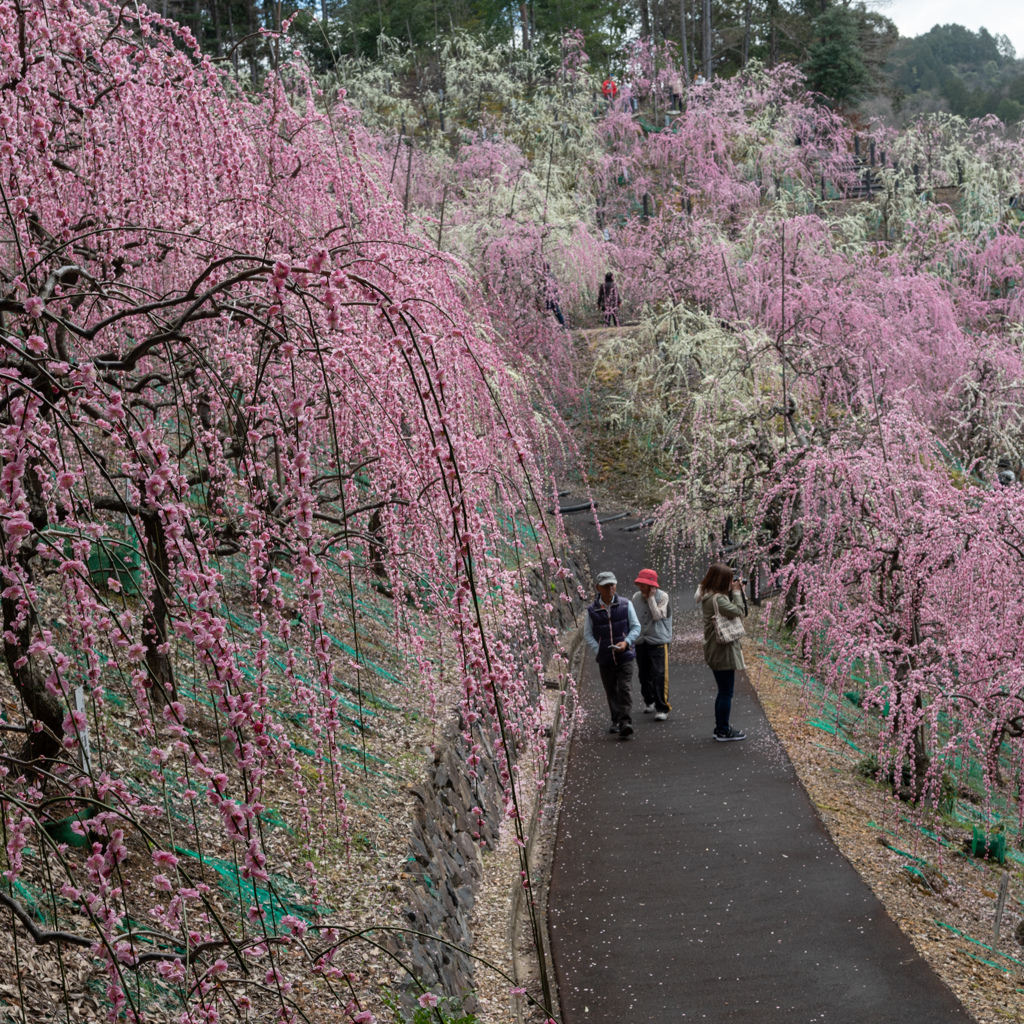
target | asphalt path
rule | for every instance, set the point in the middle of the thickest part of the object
(694, 881)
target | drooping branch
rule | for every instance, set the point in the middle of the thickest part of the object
(39, 936)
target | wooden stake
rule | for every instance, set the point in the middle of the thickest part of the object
(440, 226)
(408, 182)
(84, 737)
(398, 149)
(1004, 885)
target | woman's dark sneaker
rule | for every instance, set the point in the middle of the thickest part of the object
(625, 729)
(615, 727)
(729, 734)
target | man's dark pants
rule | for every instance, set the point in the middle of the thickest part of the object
(617, 680)
(652, 665)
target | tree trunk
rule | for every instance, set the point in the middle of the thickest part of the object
(254, 68)
(524, 22)
(746, 32)
(682, 33)
(28, 676)
(645, 19)
(30, 681)
(215, 17)
(910, 785)
(706, 37)
(154, 624)
(773, 40)
(231, 37)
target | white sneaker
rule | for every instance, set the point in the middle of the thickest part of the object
(661, 716)
(648, 708)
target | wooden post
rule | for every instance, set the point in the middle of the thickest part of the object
(398, 149)
(547, 185)
(872, 152)
(84, 736)
(408, 181)
(1004, 885)
(440, 226)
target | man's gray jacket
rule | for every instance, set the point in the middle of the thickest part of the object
(655, 615)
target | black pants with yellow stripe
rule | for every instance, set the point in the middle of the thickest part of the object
(652, 667)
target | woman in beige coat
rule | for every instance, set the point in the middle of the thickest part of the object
(719, 588)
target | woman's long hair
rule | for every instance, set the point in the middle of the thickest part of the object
(717, 580)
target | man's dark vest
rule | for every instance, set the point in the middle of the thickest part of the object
(618, 617)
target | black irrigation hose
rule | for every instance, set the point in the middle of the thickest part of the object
(586, 506)
(611, 519)
(638, 526)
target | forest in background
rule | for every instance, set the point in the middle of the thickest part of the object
(848, 51)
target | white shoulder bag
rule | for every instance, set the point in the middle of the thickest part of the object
(727, 630)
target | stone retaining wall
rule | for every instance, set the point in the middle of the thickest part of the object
(453, 814)
(445, 860)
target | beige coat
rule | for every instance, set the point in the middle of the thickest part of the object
(716, 654)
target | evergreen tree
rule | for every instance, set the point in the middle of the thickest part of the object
(835, 63)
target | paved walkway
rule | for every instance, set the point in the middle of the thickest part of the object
(693, 880)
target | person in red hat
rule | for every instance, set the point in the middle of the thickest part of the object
(654, 610)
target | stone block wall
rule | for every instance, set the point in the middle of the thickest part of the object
(445, 859)
(446, 862)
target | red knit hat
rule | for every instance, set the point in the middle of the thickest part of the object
(648, 576)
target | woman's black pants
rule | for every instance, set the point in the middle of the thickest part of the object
(726, 679)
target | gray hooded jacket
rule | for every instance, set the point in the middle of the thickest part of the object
(655, 617)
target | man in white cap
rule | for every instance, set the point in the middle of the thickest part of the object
(610, 631)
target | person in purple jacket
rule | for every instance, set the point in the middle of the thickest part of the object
(610, 631)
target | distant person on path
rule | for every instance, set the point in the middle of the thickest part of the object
(718, 590)
(630, 102)
(609, 90)
(676, 85)
(654, 610)
(608, 300)
(610, 631)
(551, 294)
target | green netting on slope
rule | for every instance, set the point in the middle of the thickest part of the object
(31, 899)
(248, 625)
(843, 717)
(359, 707)
(984, 945)
(357, 766)
(276, 898)
(524, 530)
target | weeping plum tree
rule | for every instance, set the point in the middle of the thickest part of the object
(792, 335)
(847, 389)
(218, 343)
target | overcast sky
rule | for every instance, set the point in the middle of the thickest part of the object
(913, 17)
